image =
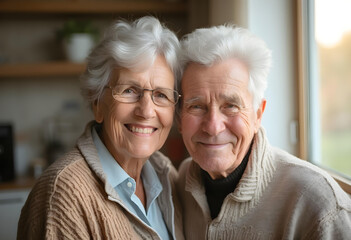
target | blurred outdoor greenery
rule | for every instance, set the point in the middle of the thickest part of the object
(335, 102)
(336, 152)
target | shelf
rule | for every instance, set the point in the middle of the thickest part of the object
(91, 6)
(21, 183)
(48, 69)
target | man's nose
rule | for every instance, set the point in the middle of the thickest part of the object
(213, 123)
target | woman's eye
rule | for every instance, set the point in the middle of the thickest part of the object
(160, 95)
(129, 91)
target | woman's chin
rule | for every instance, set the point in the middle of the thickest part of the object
(142, 152)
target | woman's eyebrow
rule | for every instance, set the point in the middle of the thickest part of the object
(135, 82)
(128, 81)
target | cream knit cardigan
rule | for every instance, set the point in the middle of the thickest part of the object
(278, 197)
(72, 200)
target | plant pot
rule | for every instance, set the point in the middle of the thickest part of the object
(78, 46)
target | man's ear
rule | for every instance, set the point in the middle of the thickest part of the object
(259, 114)
(99, 117)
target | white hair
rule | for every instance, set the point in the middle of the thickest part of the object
(209, 45)
(132, 45)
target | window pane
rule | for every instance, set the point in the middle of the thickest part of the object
(333, 61)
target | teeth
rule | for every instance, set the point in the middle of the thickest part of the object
(141, 130)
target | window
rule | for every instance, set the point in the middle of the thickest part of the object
(325, 94)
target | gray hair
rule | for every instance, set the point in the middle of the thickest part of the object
(209, 45)
(132, 45)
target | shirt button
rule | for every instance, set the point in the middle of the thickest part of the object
(129, 184)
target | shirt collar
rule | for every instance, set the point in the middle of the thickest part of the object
(114, 172)
(116, 175)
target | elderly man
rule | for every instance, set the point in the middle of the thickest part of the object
(235, 185)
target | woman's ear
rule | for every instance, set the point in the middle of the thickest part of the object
(99, 117)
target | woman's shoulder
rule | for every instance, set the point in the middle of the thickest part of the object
(62, 165)
(184, 166)
(63, 173)
(160, 161)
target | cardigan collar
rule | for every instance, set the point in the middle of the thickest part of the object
(87, 147)
(161, 164)
(258, 173)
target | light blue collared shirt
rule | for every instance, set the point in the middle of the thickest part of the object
(125, 187)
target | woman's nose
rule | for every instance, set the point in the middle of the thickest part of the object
(145, 107)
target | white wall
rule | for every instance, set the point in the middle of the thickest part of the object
(272, 20)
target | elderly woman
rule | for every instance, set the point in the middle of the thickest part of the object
(115, 184)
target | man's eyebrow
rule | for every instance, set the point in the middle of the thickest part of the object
(192, 100)
(228, 98)
(232, 99)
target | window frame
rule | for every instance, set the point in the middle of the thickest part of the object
(304, 73)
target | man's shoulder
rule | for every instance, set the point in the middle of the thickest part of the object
(183, 174)
(297, 167)
(309, 180)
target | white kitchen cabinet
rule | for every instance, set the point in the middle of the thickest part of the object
(11, 203)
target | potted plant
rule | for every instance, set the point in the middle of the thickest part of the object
(78, 38)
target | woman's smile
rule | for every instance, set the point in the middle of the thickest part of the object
(140, 129)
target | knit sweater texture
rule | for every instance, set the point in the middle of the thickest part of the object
(73, 200)
(278, 197)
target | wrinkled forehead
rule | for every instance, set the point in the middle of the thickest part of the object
(230, 71)
(158, 75)
(229, 75)
(227, 81)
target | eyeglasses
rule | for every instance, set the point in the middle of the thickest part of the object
(162, 97)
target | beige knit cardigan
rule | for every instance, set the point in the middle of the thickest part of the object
(72, 200)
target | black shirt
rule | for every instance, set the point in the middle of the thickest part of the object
(218, 189)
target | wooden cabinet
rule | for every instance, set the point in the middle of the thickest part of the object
(44, 69)
(42, 9)
(92, 6)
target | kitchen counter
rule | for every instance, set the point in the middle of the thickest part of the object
(17, 184)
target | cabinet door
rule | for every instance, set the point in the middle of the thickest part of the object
(11, 203)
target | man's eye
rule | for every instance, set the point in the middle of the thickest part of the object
(231, 108)
(196, 109)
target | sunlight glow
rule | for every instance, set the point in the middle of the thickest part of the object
(332, 21)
